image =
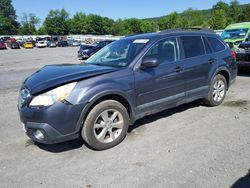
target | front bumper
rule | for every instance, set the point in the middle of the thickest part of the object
(51, 135)
(58, 122)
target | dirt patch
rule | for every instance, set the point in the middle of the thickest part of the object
(238, 103)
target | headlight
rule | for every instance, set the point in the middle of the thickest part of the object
(50, 97)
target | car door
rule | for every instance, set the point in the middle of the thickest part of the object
(164, 84)
(198, 62)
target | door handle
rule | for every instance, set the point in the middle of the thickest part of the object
(178, 69)
(211, 61)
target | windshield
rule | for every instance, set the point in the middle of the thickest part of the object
(119, 53)
(234, 33)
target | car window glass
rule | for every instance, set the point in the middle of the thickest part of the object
(207, 46)
(165, 51)
(216, 44)
(193, 46)
(119, 53)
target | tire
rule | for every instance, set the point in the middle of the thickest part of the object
(106, 125)
(217, 91)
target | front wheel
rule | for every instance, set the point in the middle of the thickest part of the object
(217, 92)
(106, 125)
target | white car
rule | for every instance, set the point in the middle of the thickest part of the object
(41, 44)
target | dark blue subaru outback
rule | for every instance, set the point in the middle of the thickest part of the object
(126, 80)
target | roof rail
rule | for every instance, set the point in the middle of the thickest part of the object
(188, 29)
(199, 29)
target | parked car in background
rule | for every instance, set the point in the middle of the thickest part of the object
(128, 79)
(51, 44)
(13, 45)
(10, 40)
(83, 46)
(4, 39)
(235, 34)
(3, 46)
(41, 44)
(62, 43)
(28, 45)
(74, 43)
(20, 42)
(243, 54)
(92, 49)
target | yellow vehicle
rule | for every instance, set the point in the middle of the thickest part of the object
(28, 45)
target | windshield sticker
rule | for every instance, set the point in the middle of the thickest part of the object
(141, 41)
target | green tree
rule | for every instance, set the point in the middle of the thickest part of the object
(118, 28)
(193, 17)
(94, 25)
(220, 5)
(28, 24)
(8, 23)
(41, 31)
(218, 19)
(133, 25)
(78, 24)
(245, 15)
(148, 26)
(234, 11)
(107, 25)
(57, 22)
(171, 21)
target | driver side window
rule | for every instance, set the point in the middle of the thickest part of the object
(165, 50)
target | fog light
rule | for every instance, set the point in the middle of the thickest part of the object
(39, 135)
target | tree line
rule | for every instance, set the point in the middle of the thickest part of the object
(59, 22)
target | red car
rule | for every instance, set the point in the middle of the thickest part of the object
(3, 46)
(11, 40)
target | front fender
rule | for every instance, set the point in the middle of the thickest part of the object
(89, 103)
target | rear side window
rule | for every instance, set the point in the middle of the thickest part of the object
(207, 46)
(216, 44)
(192, 46)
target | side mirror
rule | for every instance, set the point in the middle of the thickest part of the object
(149, 62)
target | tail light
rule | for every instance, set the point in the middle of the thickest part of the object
(233, 55)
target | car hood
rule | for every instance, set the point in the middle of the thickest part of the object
(52, 76)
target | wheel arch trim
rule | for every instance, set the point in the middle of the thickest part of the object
(102, 95)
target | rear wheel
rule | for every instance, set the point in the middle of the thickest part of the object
(106, 125)
(217, 91)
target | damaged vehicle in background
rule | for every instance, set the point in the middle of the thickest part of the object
(88, 51)
(243, 55)
(235, 34)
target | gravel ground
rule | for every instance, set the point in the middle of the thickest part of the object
(189, 146)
